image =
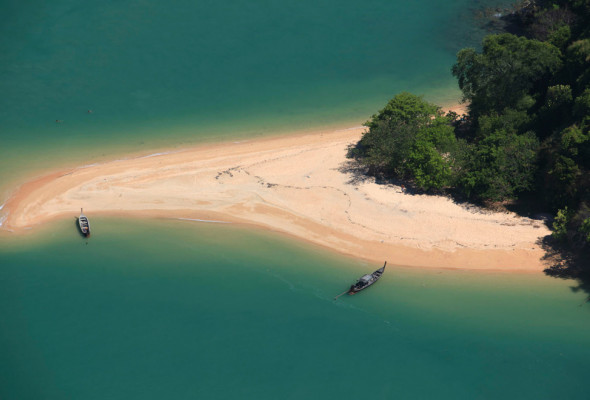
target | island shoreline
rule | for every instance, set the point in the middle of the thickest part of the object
(296, 185)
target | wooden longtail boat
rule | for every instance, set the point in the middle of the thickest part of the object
(364, 281)
(84, 224)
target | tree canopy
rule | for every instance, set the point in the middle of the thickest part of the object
(409, 139)
(505, 72)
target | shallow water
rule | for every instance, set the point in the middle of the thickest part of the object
(155, 75)
(181, 309)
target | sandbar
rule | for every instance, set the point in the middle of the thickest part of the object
(300, 185)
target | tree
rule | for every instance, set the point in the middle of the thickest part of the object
(560, 181)
(384, 148)
(582, 105)
(567, 155)
(560, 224)
(427, 166)
(508, 68)
(409, 139)
(511, 121)
(405, 108)
(549, 21)
(577, 57)
(501, 165)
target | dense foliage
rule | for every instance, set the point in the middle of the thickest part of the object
(527, 132)
(505, 73)
(409, 139)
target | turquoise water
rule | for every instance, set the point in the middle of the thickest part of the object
(156, 74)
(167, 309)
(170, 309)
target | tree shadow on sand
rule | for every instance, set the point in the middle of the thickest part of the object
(563, 263)
(359, 173)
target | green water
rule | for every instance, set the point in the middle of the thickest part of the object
(167, 309)
(156, 74)
(181, 310)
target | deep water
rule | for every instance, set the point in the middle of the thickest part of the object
(184, 310)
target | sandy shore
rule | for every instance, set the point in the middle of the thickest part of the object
(299, 185)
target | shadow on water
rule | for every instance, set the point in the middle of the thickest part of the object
(565, 263)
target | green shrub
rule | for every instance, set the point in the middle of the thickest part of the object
(409, 139)
(560, 224)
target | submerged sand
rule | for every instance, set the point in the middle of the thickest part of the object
(300, 185)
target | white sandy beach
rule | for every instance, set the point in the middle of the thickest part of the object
(298, 185)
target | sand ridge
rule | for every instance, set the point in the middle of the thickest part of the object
(300, 185)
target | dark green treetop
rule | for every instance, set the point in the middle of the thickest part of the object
(505, 71)
(409, 139)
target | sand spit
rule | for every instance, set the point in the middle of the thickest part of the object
(300, 185)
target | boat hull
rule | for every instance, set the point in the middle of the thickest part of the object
(354, 290)
(84, 227)
(83, 224)
(366, 281)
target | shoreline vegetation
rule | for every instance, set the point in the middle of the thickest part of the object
(524, 143)
(300, 185)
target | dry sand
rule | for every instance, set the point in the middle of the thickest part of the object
(300, 185)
